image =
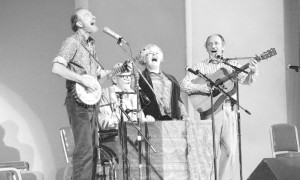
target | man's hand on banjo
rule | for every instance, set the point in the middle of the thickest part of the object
(88, 84)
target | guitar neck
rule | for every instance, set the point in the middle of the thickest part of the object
(244, 67)
(232, 75)
(258, 58)
(109, 75)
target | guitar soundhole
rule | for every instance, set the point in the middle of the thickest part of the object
(215, 92)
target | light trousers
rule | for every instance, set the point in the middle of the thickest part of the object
(226, 141)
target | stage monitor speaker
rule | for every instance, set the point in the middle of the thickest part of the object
(277, 169)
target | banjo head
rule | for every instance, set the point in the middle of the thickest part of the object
(89, 98)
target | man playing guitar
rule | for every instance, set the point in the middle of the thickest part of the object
(225, 116)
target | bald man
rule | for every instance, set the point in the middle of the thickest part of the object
(226, 114)
(77, 57)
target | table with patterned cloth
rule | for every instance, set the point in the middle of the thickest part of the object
(184, 151)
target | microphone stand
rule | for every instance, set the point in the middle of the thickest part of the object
(140, 135)
(212, 85)
(213, 132)
(137, 89)
(239, 129)
(137, 128)
(234, 67)
(238, 58)
(123, 140)
(296, 70)
(238, 117)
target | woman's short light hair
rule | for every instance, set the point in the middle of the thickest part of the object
(145, 51)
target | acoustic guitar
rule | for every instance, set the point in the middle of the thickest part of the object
(225, 80)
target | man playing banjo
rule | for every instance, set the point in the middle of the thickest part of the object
(77, 63)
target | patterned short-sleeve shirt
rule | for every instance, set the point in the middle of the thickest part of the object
(79, 55)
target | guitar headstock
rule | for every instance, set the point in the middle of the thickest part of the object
(266, 55)
(120, 67)
(127, 66)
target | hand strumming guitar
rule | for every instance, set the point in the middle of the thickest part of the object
(204, 88)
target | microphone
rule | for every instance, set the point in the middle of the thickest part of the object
(221, 57)
(114, 35)
(192, 71)
(296, 68)
(132, 110)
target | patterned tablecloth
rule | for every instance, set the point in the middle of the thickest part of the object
(183, 151)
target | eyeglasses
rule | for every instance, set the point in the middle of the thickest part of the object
(125, 76)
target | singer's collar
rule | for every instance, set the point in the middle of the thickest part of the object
(214, 61)
(153, 72)
(90, 40)
(83, 40)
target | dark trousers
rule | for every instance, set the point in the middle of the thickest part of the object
(83, 122)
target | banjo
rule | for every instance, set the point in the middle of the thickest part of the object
(89, 98)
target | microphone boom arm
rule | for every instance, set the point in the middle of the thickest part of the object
(234, 67)
(292, 67)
